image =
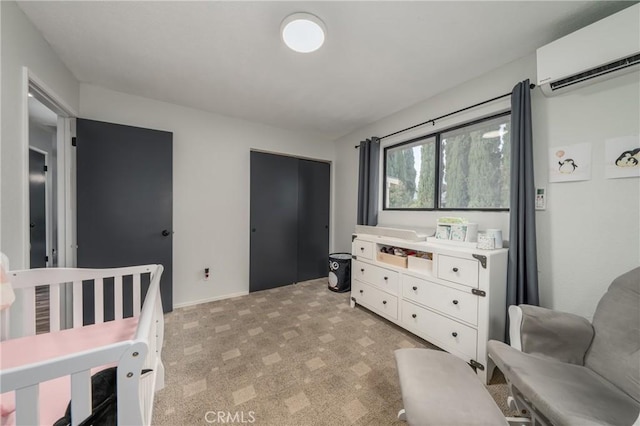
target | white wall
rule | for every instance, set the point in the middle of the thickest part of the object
(579, 252)
(22, 45)
(590, 232)
(210, 184)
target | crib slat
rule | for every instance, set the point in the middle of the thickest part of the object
(77, 304)
(98, 300)
(27, 412)
(54, 307)
(29, 311)
(117, 297)
(80, 396)
(136, 295)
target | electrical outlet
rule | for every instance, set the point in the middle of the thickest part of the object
(206, 274)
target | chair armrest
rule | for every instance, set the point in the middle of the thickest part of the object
(558, 335)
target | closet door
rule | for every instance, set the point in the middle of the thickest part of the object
(274, 221)
(313, 219)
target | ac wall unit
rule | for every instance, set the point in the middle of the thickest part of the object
(604, 49)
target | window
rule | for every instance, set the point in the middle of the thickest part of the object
(466, 166)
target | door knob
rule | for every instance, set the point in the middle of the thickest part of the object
(165, 233)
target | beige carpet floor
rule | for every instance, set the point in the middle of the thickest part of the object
(294, 355)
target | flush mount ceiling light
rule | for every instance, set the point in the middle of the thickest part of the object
(303, 32)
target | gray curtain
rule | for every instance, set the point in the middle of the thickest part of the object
(522, 270)
(368, 182)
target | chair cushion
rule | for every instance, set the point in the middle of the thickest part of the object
(567, 394)
(615, 351)
(441, 389)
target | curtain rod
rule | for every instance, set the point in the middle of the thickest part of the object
(433, 120)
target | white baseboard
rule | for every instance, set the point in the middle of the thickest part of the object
(211, 299)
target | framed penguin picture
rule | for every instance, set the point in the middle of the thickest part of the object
(622, 157)
(570, 163)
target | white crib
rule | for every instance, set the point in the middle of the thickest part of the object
(132, 344)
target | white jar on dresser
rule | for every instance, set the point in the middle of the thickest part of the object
(456, 300)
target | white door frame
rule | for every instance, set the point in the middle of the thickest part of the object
(64, 168)
(65, 178)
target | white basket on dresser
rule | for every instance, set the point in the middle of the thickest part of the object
(458, 306)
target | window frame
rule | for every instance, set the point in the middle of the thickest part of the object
(438, 172)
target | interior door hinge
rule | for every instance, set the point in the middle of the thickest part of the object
(354, 257)
(45, 168)
(74, 141)
(353, 237)
(477, 292)
(46, 258)
(476, 364)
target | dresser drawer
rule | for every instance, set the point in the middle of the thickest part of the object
(458, 270)
(363, 249)
(446, 333)
(456, 303)
(380, 277)
(375, 299)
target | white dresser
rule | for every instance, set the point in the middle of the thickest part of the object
(456, 301)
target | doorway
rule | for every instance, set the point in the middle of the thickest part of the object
(289, 220)
(43, 135)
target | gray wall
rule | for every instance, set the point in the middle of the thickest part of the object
(590, 231)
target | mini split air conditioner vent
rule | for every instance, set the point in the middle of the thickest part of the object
(597, 72)
(605, 49)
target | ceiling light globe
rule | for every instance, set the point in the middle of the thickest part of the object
(303, 32)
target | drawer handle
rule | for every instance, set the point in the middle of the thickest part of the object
(361, 291)
(455, 269)
(454, 334)
(362, 270)
(386, 278)
(384, 302)
(415, 288)
(455, 302)
(361, 248)
(413, 315)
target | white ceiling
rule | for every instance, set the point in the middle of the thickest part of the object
(227, 57)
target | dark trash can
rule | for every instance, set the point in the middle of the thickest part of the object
(340, 272)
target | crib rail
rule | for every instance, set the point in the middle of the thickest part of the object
(75, 280)
(135, 393)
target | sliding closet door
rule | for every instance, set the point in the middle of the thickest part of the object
(313, 219)
(274, 221)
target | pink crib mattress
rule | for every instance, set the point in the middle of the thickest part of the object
(55, 394)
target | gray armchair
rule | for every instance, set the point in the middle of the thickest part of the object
(563, 370)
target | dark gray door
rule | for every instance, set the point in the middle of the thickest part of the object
(289, 220)
(37, 210)
(313, 219)
(125, 203)
(274, 221)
